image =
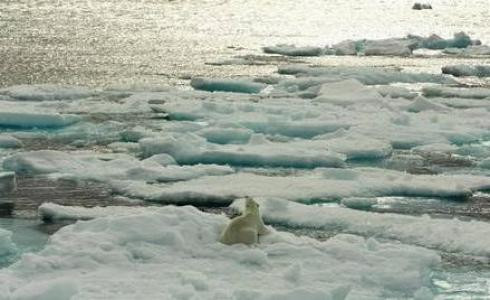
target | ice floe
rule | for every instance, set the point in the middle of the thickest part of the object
(227, 85)
(291, 50)
(173, 253)
(191, 149)
(450, 235)
(47, 92)
(7, 182)
(28, 116)
(467, 70)
(366, 75)
(6, 245)
(318, 185)
(8, 141)
(105, 167)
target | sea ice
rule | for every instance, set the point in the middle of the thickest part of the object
(227, 85)
(192, 149)
(451, 235)
(173, 253)
(26, 117)
(389, 47)
(347, 92)
(47, 92)
(481, 50)
(8, 141)
(8, 182)
(318, 185)
(366, 75)
(109, 168)
(291, 50)
(7, 247)
(467, 70)
(453, 92)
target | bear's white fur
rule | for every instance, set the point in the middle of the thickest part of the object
(246, 228)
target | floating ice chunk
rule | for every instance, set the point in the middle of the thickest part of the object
(485, 164)
(460, 40)
(462, 103)
(347, 92)
(467, 70)
(358, 202)
(450, 235)
(190, 149)
(7, 182)
(366, 75)
(323, 184)
(161, 247)
(6, 245)
(389, 47)
(356, 146)
(421, 6)
(395, 92)
(27, 119)
(436, 147)
(46, 92)
(8, 141)
(54, 212)
(347, 47)
(161, 159)
(470, 51)
(422, 104)
(291, 50)
(227, 85)
(452, 92)
(109, 168)
(225, 135)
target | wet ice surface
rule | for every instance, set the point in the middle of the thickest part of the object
(348, 148)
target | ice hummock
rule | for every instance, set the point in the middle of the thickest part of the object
(173, 252)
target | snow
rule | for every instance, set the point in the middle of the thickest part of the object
(227, 85)
(173, 253)
(467, 70)
(450, 235)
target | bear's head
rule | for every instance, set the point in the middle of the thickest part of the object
(251, 206)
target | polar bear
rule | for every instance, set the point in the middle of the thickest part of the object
(245, 228)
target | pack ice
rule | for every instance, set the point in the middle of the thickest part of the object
(173, 253)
